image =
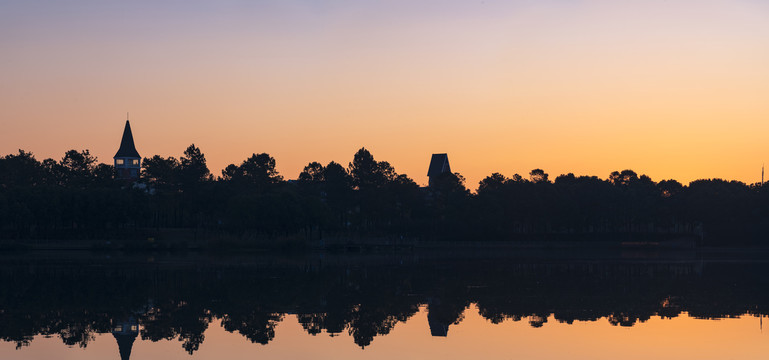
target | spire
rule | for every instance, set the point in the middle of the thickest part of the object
(127, 148)
(124, 343)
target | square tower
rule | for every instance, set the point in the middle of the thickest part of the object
(439, 164)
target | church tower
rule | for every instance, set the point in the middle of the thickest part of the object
(127, 159)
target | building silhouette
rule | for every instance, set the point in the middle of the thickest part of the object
(439, 164)
(439, 317)
(125, 333)
(127, 159)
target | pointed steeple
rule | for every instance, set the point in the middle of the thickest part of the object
(124, 343)
(127, 147)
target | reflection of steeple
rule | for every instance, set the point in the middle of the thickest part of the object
(125, 343)
(125, 333)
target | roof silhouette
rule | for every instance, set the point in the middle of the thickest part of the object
(439, 164)
(127, 148)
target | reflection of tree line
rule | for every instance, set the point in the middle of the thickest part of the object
(77, 197)
(364, 301)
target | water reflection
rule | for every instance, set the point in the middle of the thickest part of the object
(125, 333)
(362, 296)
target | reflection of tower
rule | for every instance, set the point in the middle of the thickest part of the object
(437, 327)
(127, 159)
(125, 333)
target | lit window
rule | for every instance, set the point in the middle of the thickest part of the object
(135, 162)
(134, 328)
(120, 162)
(119, 328)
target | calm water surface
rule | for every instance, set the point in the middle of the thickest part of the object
(412, 306)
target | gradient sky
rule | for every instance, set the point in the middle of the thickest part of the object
(672, 89)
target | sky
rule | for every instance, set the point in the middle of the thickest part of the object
(671, 89)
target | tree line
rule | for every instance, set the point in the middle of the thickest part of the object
(78, 197)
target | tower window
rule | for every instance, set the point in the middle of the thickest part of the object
(119, 161)
(135, 162)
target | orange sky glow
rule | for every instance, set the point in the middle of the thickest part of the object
(671, 89)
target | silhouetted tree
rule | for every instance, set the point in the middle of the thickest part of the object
(313, 172)
(193, 166)
(669, 188)
(368, 173)
(161, 172)
(77, 168)
(625, 177)
(538, 176)
(257, 170)
(492, 182)
(337, 187)
(21, 169)
(371, 178)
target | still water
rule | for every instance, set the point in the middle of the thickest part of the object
(412, 306)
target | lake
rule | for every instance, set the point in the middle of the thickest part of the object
(410, 305)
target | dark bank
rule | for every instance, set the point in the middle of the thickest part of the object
(171, 203)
